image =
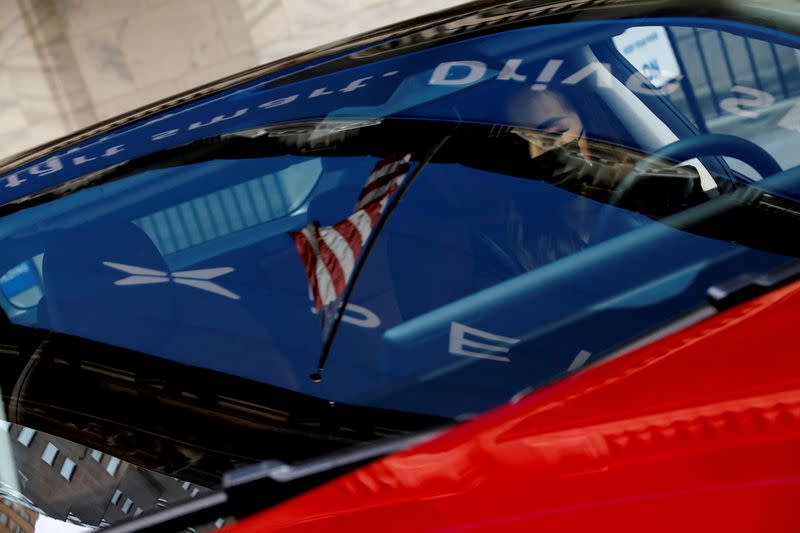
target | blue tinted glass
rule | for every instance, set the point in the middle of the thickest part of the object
(196, 262)
(485, 284)
(434, 230)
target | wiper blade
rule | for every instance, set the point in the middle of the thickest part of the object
(750, 285)
(257, 487)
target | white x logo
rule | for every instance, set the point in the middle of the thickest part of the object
(193, 278)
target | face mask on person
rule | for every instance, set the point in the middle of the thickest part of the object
(558, 158)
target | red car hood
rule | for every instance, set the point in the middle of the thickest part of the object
(698, 430)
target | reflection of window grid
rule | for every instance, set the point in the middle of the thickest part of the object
(137, 512)
(714, 61)
(112, 466)
(127, 505)
(115, 498)
(49, 454)
(67, 469)
(97, 456)
(217, 214)
(26, 436)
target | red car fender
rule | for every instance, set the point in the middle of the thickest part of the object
(699, 430)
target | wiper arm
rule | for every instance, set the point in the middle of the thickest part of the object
(257, 487)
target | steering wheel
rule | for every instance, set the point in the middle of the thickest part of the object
(711, 144)
(716, 144)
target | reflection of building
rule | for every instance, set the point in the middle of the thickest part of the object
(71, 482)
(15, 518)
(66, 65)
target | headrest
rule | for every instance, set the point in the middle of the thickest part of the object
(332, 206)
(106, 281)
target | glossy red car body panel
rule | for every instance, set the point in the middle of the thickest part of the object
(699, 430)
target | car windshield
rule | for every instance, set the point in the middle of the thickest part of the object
(376, 245)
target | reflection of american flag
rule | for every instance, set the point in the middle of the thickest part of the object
(329, 253)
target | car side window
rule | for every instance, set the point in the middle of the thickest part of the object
(724, 83)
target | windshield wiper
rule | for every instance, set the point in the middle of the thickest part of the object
(257, 487)
(751, 285)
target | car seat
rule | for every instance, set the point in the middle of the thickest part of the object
(85, 296)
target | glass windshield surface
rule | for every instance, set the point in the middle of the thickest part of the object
(321, 260)
(181, 266)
